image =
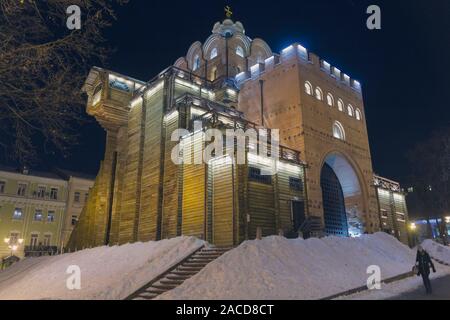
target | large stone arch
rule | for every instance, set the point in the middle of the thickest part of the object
(354, 188)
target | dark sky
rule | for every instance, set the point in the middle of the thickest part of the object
(404, 68)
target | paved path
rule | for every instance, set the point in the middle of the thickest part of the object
(441, 291)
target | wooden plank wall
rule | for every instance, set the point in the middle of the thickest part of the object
(286, 194)
(128, 210)
(150, 180)
(194, 193)
(171, 173)
(223, 201)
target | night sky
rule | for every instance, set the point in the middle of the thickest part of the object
(404, 68)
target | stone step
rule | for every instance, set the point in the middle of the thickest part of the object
(171, 282)
(189, 268)
(203, 258)
(148, 295)
(181, 273)
(165, 287)
(155, 290)
(173, 276)
(194, 264)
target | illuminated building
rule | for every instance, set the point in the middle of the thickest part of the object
(230, 81)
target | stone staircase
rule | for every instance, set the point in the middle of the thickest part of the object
(179, 273)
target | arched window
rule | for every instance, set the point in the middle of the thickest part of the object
(240, 51)
(330, 100)
(308, 88)
(350, 110)
(340, 105)
(358, 114)
(196, 63)
(319, 94)
(213, 53)
(338, 131)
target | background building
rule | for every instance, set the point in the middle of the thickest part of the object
(229, 81)
(33, 207)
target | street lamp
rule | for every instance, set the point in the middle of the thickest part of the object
(413, 226)
(13, 245)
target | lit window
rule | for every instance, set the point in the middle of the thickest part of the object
(18, 214)
(213, 53)
(54, 193)
(47, 240)
(196, 63)
(308, 88)
(38, 215)
(330, 100)
(338, 131)
(340, 105)
(319, 94)
(21, 188)
(51, 216)
(240, 51)
(34, 240)
(41, 192)
(76, 197)
(350, 110)
(358, 114)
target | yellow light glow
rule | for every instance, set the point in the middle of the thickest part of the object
(6, 240)
(20, 241)
(413, 226)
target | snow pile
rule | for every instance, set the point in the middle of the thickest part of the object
(437, 251)
(280, 268)
(106, 272)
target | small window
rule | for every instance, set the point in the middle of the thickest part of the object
(319, 94)
(2, 186)
(384, 213)
(254, 174)
(240, 51)
(196, 64)
(54, 193)
(47, 240)
(330, 100)
(51, 216)
(38, 215)
(34, 240)
(21, 188)
(213, 53)
(340, 105)
(308, 88)
(74, 220)
(86, 196)
(358, 114)
(295, 184)
(18, 214)
(350, 110)
(76, 197)
(338, 131)
(41, 192)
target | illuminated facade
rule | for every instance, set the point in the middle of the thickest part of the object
(230, 82)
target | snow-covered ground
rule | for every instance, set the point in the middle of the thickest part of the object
(106, 272)
(387, 291)
(279, 268)
(437, 251)
(271, 268)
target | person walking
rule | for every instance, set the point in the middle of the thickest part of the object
(423, 263)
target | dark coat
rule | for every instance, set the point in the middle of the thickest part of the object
(423, 262)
